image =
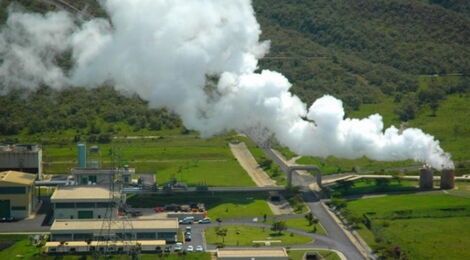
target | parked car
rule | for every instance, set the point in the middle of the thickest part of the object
(199, 249)
(187, 238)
(7, 219)
(178, 246)
(158, 249)
(187, 220)
(168, 249)
(205, 221)
(190, 248)
(187, 233)
(188, 228)
(159, 209)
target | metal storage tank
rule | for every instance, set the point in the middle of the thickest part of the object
(81, 155)
(425, 178)
(447, 179)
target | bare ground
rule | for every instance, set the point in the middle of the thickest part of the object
(248, 162)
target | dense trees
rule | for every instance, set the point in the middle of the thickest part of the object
(92, 112)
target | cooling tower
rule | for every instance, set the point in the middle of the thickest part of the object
(447, 179)
(425, 178)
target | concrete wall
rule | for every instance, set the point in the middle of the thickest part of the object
(22, 161)
(56, 236)
(72, 213)
(27, 200)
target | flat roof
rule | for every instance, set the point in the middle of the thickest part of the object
(96, 224)
(81, 193)
(18, 178)
(272, 252)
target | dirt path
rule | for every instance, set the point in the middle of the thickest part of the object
(248, 162)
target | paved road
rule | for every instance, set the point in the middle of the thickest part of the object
(337, 239)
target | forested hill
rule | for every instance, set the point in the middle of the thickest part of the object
(362, 51)
(369, 45)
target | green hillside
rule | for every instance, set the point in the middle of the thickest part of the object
(408, 59)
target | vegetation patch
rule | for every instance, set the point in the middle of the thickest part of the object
(414, 226)
(246, 235)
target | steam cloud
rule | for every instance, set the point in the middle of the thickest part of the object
(197, 58)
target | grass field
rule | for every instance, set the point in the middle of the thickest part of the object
(422, 225)
(298, 254)
(218, 205)
(245, 235)
(302, 224)
(187, 158)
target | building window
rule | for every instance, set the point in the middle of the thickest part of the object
(82, 236)
(18, 208)
(124, 235)
(85, 205)
(65, 205)
(146, 235)
(104, 204)
(13, 190)
(169, 236)
(61, 237)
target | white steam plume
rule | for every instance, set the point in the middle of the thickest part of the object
(167, 50)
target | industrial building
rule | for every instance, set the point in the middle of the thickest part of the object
(23, 158)
(252, 254)
(17, 194)
(111, 246)
(101, 176)
(84, 202)
(142, 229)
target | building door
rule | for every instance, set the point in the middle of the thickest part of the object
(85, 214)
(5, 209)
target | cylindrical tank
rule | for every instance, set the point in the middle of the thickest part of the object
(447, 179)
(81, 155)
(425, 178)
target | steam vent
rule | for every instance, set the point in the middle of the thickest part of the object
(425, 178)
(447, 179)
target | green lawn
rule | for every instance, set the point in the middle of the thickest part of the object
(245, 235)
(302, 224)
(420, 224)
(299, 254)
(187, 158)
(219, 205)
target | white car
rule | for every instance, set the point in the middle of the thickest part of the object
(178, 246)
(205, 221)
(190, 248)
(199, 249)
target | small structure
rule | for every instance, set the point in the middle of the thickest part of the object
(142, 229)
(447, 179)
(101, 176)
(17, 196)
(252, 254)
(23, 158)
(82, 154)
(83, 202)
(425, 178)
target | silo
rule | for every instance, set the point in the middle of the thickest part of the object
(425, 178)
(81, 155)
(447, 179)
